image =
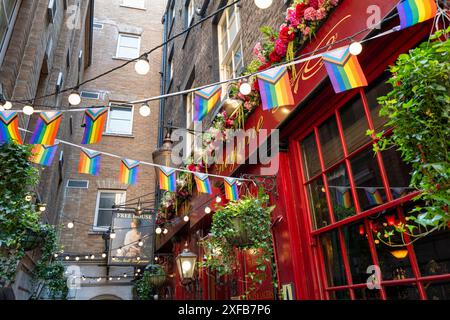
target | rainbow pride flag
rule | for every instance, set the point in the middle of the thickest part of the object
(129, 171)
(43, 155)
(412, 12)
(344, 70)
(344, 197)
(275, 88)
(89, 162)
(373, 196)
(9, 127)
(95, 120)
(46, 128)
(167, 179)
(231, 189)
(203, 183)
(205, 100)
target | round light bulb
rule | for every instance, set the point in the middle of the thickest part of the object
(92, 257)
(156, 258)
(138, 258)
(42, 208)
(110, 278)
(70, 225)
(86, 257)
(166, 231)
(356, 48)
(55, 255)
(208, 210)
(28, 110)
(245, 88)
(77, 258)
(112, 235)
(145, 110)
(67, 257)
(263, 4)
(186, 218)
(125, 275)
(142, 66)
(7, 105)
(186, 265)
(99, 279)
(103, 255)
(74, 98)
(158, 230)
(118, 278)
(140, 243)
(28, 198)
(119, 251)
(218, 199)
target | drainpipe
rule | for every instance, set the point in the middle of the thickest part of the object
(163, 82)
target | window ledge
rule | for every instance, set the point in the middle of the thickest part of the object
(122, 59)
(131, 7)
(95, 231)
(120, 135)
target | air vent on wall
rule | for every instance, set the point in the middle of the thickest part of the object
(77, 184)
(90, 95)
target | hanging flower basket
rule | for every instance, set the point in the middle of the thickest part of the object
(240, 237)
(157, 276)
(32, 240)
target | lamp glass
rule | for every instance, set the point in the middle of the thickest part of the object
(158, 230)
(263, 4)
(7, 105)
(245, 88)
(142, 67)
(356, 48)
(186, 264)
(28, 110)
(145, 110)
(74, 98)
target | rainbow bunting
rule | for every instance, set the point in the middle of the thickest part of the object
(203, 183)
(344, 197)
(412, 12)
(231, 190)
(205, 100)
(344, 70)
(129, 171)
(95, 120)
(167, 179)
(275, 88)
(373, 196)
(43, 155)
(9, 127)
(89, 162)
(46, 128)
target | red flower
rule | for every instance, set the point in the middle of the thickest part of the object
(191, 167)
(300, 11)
(286, 35)
(255, 85)
(265, 66)
(314, 4)
(274, 57)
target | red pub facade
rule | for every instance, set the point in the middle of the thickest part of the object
(333, 194)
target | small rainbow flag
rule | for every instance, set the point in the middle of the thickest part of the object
(43, 155)
(205, 100)
(373, 196)
(46, 128)
(275, 88)
(344, 70)
(89, 162)
(9, 127)
(231, 189)
(129, 171)
(202, 182)
(344, 197)
(412, 12)
(95, 120)
(167, 179)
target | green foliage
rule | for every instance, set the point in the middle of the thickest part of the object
(146, 286)
(418, 108)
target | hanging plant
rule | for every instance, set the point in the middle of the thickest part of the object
(418, 110)
(152, 279)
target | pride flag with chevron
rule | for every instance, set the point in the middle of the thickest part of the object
(9, 127)
(205, 100)
(129, 171)
(89, 162)
(203, 183)
(275, 88)
(167, 179)
(46, 128)
(231, 189)
(43, 155)
(95, 120)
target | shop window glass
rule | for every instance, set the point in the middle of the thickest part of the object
(433, 253)
(438, 291)
(332, 255)
(340, 193)
(380, 89)
(318, 203)
(330, 142)
(311, 161)
(354, 124)
(367, 294)
(367, 177)
(340, 295)
(358, 251)
(405, 292)
(398, 173)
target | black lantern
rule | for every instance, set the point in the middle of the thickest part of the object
(186, 265)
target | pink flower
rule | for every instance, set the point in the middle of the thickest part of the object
(257, 49)
(307, 31)
(321, 3)
(310, 14)
(292, 18)
(280, 47)
(334, 2)
(321, 14)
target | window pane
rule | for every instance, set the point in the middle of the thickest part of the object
(354, 124)
(330, 142)
(128, 53)
(367, 177)
(318, 204)
(104, 218)
(107, 200)
(358, 251)
(130, 42)
(233, 29)
(120, 113)
(311, 161)
(224, 40)
(340, 193)
(367, 294)
(119, 126)
(378, 90)
(406, 292)
(340, 295)
(398, 173)
(332, 255)
(438, 291)
(433, 253)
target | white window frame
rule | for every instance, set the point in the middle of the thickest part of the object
(9, 29)
(121, 197)
(121, 35)
(108, 131)
(126, 4)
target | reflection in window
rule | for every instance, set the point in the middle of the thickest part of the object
(354, 124)
(398, 173)
(367, 177)
(380, 89)
(438, 291)
(406, 292)
(311, 161)
(330, 142)
(433, 253)
(340, 193)
(318, 203)
(332, 255)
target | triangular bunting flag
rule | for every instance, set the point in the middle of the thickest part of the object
(344, 197)
(9, 127)
(231, 189)
(205, 100)
(46, 128)
(43, 155)
(344, 70)
(203, 183)
(89, 162)
(129, 171)
(275, 88)
(95, 120)
(373, 196)
(167, 179)
(412, 12)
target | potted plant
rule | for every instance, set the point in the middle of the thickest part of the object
(156, 275)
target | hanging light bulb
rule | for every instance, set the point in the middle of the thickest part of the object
(67, 257)
(125, 275)
(86, 257)
(110, 278)
(83, 277)
(186, 218)
(77, 258)
(92, 257)
(42, 207)
(119, 251)
(112, 235)
(55, 255)
(245, 88)
(140, 243)
(138, 258)
(158, 230)
(145, 110)
(28, 110)
(218, 199)
(263, 4)
(355, 48)
(28, 198)
(166, 231)
(7, 105)
(142, 66)
(118, 278)
(74, 98)
(99, 279)
(207, 210)
(70, 225)
(103, 255)
(156, 258)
